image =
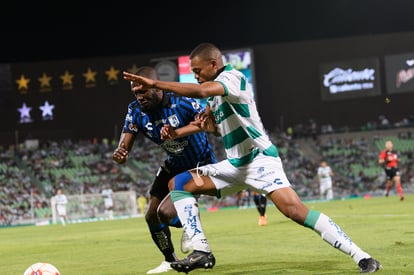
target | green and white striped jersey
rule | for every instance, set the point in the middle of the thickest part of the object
(239, 122)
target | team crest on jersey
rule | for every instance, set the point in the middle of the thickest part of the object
(173, 121)
(196, 105)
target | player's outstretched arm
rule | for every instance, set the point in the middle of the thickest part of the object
(203, 90)
(120, 155)
(170, 133)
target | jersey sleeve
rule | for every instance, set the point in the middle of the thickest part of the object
(191, 106)
(236, 86)
(129, 126)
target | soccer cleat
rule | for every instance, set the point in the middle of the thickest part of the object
(369, 265)
(197, 259)
(402, 198)
(186, 243)
(163, 267)
(262, 220)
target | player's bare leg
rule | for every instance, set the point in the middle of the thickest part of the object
(398, 186)
(161, 236)
(388, 187)
(289, 203)
(168, 215)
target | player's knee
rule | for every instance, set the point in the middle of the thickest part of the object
(166, 211)
(162, 214)
(181, 179)
(151, 217)
(295, 211)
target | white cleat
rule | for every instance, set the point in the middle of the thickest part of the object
(163, 267)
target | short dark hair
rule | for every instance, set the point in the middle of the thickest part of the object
(206, 51)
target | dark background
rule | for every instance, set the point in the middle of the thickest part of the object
(50, 30)
(290, 40)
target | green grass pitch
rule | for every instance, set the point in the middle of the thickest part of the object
(384, 227)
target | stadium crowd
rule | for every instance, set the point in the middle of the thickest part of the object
(30, 176)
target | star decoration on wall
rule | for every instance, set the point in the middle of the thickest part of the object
(112, 73)
(23, 83)
(44, 81)
(66, 78)
(47, 110)
(89, 75)
(133, 69)
(25, 113)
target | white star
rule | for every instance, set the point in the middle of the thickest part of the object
(24, 111)
(47, 109)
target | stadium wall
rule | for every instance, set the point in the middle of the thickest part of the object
(286, 77)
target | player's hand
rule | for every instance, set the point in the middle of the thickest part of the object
(146, 83)
(168, 132)
(120, 155)
(206, 122)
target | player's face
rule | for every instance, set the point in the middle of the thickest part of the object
(147, 99)
(204, 70)
(388, 145)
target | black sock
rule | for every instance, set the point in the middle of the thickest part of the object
(260, 202)
(163, 241)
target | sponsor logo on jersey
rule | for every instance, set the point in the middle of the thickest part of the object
(174, 147)
(149, 126)
(133, 127)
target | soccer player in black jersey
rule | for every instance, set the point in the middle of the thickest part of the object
(147, 114)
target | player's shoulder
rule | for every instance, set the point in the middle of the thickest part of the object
(229, 73)
(178, 98)
(133, 104)
(184, 102)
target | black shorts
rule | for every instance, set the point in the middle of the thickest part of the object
(159, 187)
(392, 172)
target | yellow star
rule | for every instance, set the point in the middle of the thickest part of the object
(44, 80)
(90, 75)
(112, 73)
(134, 69)
(23, 83)
(67, 78)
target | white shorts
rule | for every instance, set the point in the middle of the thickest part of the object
(61, 209)
(325, 185)
(108, 203)
(264, 175)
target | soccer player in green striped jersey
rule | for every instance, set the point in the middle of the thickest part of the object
(252, 161)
